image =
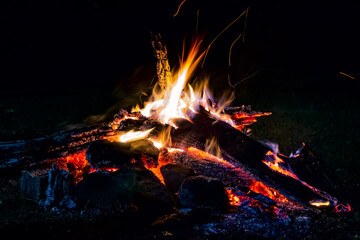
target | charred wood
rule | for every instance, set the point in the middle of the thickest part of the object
(25, 153)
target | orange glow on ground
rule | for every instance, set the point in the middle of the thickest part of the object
(156, 171)
(236, 200)
(271, 193)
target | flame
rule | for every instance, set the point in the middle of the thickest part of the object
(276, 165)
(157, 144)
(132, 135)
(171, 103)
(157, 172)
(212, 147)
(181, 100)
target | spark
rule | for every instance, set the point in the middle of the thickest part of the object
(246, 17)
(208, 48)
(197, 20)
(179, 8)
(347, 75)
(243, 79)
(232, 47)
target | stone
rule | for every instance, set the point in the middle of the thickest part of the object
(33, 184)
(131, 185)
(60, 190)
(204, 191)
(174, 175)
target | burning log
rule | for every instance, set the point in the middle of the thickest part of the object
(245, 152)
(26, 153)
(104, 153)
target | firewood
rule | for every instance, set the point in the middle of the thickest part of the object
(21, 154)
(162, 65)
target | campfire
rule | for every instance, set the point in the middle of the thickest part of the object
(181, 149)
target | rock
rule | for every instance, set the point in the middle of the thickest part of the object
(129, 185)
(174, 175)
(60, 190)
(33, 184)
(203, 191)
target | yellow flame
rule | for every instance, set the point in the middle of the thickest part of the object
(180, 100)
(173, 102)
(212, 147)
(320, 204)
(156, 143)
(132, 135)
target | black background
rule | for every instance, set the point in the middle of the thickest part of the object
(59, 45)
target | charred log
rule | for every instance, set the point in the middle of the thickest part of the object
(22, 154)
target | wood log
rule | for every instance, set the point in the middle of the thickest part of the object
(22, 154)
(239, 149)
(244, 152)
(162, 65)
(236, 147)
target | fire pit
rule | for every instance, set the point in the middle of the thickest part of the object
(183, 160)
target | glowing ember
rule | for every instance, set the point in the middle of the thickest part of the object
(276, 165)
(132, 135)
(75, 163)
(318, 203)
(343, 208)
(108, 169)
(271, 193)
(236, 200)
(254, 186)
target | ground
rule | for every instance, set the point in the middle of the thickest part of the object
(328, 121)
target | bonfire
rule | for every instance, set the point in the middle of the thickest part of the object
(181, 149)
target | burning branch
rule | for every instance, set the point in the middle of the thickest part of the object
(162, 65)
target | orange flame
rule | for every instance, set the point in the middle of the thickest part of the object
(171, 103)
(271, 193)
(180, 100)
(275, 166)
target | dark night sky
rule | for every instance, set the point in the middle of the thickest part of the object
(72, 44)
